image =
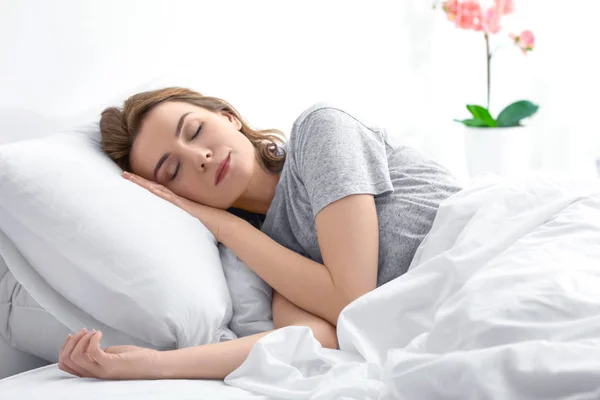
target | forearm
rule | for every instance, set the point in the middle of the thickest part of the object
(212, 361)
(304, 282)
(216, 361)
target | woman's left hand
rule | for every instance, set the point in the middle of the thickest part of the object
(212, 218)
(82, 356)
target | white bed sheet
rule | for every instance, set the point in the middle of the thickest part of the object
(502, 301)
(50, 383)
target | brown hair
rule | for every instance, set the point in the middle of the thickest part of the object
(119, 127)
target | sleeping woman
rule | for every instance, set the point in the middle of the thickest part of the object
(342, 211)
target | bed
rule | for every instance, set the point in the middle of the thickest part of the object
(501, 301)
(50, 383)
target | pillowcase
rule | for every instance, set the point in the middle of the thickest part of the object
(250, 295)
(98, 251)
(27, 327)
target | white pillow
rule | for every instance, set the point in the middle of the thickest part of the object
(96, 247)
(250, 295)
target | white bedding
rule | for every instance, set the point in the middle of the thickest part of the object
(502, 301)
(13, 361)
(49, 383)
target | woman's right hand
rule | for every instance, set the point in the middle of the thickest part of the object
(82, 356)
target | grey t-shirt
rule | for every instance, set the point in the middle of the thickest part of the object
(331, 155)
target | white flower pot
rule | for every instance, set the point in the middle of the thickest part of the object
(503, 151)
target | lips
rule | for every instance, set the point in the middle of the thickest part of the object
(222, 169)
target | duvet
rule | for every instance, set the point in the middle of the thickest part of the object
(502, 301)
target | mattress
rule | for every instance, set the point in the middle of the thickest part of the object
(50, 383)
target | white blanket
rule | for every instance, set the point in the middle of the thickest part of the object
(502, 301)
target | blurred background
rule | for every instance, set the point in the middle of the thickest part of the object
(401, 64)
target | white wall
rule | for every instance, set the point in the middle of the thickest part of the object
(271, 59)
(398, 62)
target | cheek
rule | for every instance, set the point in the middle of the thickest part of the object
(191, 190)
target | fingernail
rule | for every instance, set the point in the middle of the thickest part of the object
(93, 331)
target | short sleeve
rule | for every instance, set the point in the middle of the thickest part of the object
(338, 156)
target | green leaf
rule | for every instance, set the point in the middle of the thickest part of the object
(514, 113)
(473, 123)
(482, 114)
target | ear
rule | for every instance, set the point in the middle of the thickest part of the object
(233, 119)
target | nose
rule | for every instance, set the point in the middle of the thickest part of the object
(201, 158)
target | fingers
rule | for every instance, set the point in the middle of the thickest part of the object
(65, 362)
(135, 178)
(151, 186)
(80, 355)
(139, 180)
(159, 190)
(94, 351)
(63, 367)
(64, 344)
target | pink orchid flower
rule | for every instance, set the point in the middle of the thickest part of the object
(469, 15)
(525, 41)
(505, 7)
(491, 21)
(450, 7)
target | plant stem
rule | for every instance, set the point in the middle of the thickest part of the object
(498, 48)
(488, 59)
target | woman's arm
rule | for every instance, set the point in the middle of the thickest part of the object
(348, 235)
(82, 356)
(216, 361)
(285, 313)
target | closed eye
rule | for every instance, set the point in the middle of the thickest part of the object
(176, 172)
(197, 132)
(179, 164)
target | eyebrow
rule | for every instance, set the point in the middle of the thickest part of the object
(166, 155)
(180, 123)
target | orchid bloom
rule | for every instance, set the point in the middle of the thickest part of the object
(469, 14)
(525, 41)
(505, 7)
(486, 17)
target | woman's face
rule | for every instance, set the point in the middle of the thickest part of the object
(198, 154)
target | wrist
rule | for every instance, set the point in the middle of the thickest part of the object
(230, 223)
(165, 366)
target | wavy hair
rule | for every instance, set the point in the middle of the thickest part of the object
(120, 126)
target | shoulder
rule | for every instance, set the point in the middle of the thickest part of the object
(321, 112)
(323, 121)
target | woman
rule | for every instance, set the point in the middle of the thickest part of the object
(345, 212)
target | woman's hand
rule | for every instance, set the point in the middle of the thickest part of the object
(82, 356)
(212, 218)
